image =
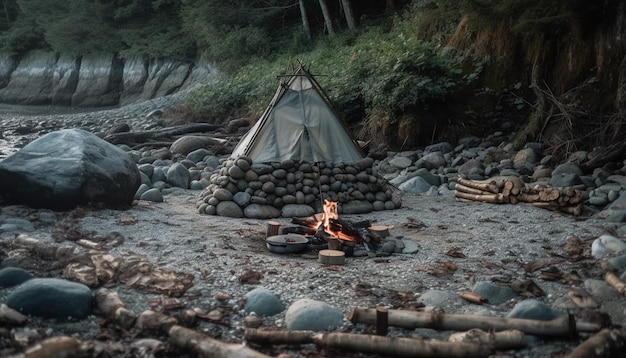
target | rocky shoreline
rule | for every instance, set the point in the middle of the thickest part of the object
(524, 260)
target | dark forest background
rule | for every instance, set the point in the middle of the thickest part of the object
(402, 73)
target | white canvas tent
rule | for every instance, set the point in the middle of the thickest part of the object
(299, 124)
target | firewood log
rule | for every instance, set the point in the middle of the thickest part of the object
(490, 198)
(459, 322)
(371, 344)
(470, 190)
(573, 210)
(512, 186)
(45, 250)
(110, 304)
(606, 343)
(194, 341)
(509, 339)
(489, 186)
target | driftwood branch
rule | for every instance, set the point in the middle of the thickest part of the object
(160, 134)
(606, 343)
(61, 346)
(371, 344)
(562, 326)
(193, 341)
(509, 339)
(109, 303)
(10, 317)
(614, 280)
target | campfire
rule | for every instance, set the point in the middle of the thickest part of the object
(329, 229)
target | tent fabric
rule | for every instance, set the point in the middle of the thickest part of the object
(299, 124)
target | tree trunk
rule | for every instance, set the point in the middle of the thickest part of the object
(327, 19)
(347, 10)
(305, 19)
(391, 6)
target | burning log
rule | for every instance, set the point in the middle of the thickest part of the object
(110, 304)
(196, 342)
(602, 344)
(562, 326)
(509, 339)
(371, 344)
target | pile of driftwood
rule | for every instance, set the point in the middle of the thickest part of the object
(511, 189)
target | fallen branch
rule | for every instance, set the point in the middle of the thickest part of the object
(196, 342)
(562, 326)
(371, 344)
(110, 304)
(614, 280)
(140, 137)
(61, 346)
(11, 317)
(605, 343)
(509, 339)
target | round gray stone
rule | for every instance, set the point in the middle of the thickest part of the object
(495, 294)
(153, 194)
(297, 210)
(13, 276)
(229, 209)
(51, 298)
(311, 315)
(258, 211)
(263, 302)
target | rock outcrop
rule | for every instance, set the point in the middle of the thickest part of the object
(46, 78)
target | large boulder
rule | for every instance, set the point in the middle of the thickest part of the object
(67, 168)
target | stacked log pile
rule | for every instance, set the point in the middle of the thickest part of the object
(511, 189)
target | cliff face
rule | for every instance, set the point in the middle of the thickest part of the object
(45, 78)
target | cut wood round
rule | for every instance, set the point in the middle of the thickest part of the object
(332, 257)
(380, 230)
(273, 228)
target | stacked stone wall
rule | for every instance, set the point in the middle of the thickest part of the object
(241, 188)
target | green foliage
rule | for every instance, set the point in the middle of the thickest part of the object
(24, 35)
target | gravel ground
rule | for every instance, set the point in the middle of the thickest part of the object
(496, 242)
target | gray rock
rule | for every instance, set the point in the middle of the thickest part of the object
(357, 207)
(440, 298)
(263, 302)
(51, 298)
(99, 79)
(495, 294)
(470, 165)
(311, 315)
(400, 162)
(432, 160)
(17, 224)
(153, 195)
(564, 179)
(601, 290)
(31, 82)
(198, 155)
(297, 210)
(223, 194)
(415, 185)
(617, 216)
(533, 309)
(607, 245)
(13, 276)
(142, 189)
(178, 175)
(524, 157)
(258, 211)
(431, 178)
(443, 147)
(242, 198)
(567, 168)
(67, 168)
(619, 203)
(617, 263)
(229, 209)
(189, 143)
(410, 246)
